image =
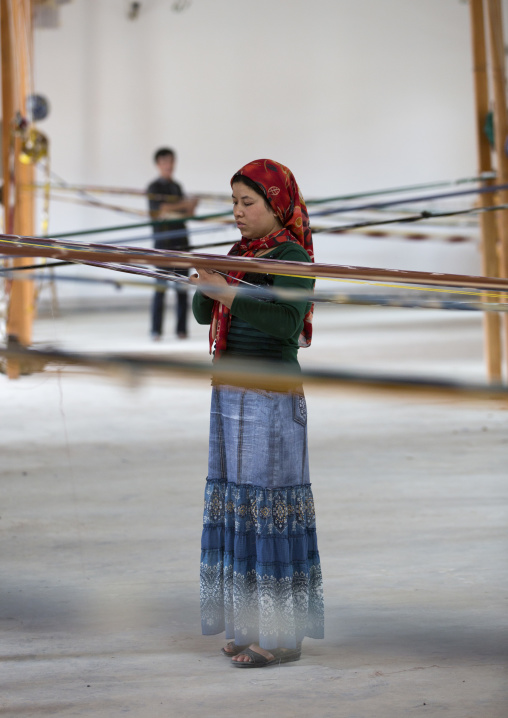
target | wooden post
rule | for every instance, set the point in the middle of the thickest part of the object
(497, 63)
(488, 226)
(7, 107)
(16, 40)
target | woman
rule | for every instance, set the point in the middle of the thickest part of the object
(260, 571)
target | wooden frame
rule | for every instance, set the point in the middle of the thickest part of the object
(17, 53)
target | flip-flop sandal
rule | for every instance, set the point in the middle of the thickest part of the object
(280, 655)
(235, 650)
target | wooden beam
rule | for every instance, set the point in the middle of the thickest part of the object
(497, 65)
(7, 108)
(110, 257)
(17, 53)
(488, 224)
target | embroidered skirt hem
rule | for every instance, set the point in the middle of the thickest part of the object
(260, 571)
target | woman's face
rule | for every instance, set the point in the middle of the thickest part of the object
(253, 218)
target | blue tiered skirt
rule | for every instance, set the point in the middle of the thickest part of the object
(260, 570)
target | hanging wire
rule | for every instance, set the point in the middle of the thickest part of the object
(222, 197)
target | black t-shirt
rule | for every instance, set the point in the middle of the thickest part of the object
(157, 191)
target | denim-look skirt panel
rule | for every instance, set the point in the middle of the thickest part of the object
(260, 570)
(258, 437)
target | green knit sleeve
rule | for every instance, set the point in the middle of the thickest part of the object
(202, 308)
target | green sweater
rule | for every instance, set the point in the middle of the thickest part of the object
(261, 328)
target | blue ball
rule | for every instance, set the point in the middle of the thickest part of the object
(37, 107)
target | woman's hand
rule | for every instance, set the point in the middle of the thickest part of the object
(214, 285)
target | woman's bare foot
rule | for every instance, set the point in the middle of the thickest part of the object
(232, 649)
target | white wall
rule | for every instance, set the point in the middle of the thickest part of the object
(352, 95)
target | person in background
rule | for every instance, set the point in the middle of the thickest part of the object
(166, 200)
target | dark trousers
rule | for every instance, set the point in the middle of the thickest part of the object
(182, 306)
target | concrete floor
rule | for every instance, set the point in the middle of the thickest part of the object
(100, 515)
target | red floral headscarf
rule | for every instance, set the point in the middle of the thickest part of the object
(278, 185)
